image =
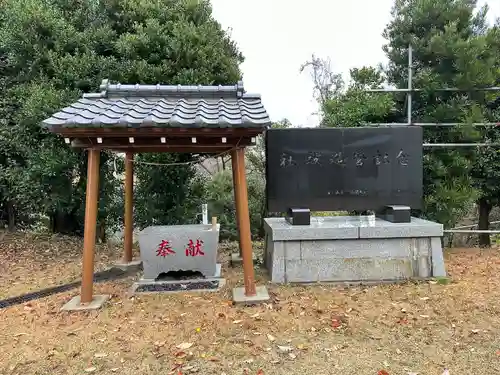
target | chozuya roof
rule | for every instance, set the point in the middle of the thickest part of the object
(178, 106)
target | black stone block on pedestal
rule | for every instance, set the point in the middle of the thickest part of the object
(395, 214)
(299, 216)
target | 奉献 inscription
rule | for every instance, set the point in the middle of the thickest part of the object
(193, 248)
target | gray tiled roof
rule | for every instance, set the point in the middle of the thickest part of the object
(163, 106)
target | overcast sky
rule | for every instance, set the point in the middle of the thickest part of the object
(277, 36)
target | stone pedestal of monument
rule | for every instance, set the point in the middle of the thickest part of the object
(353, 249)
(179, 248)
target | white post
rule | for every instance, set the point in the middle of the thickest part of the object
(410, 78)
(204, 213)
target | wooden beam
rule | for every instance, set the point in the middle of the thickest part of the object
(144, 142)
(91, 201)
(173, 149)
(129, 207)
(243, 215)
(179, 150)
(117, 131)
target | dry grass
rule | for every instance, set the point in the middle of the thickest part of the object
(316, 329)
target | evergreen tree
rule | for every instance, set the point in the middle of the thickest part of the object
(52, 51)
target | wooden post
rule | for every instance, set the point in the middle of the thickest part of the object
(234, 167)
(129, 207)
(91, 201)
(243, 217)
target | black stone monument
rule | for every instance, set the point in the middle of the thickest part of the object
(337, 169)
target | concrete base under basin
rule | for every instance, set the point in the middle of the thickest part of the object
(353, 249)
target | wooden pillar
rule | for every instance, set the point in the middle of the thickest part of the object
(234, 165)
(129, 207)
(91, 201)
(243, 217)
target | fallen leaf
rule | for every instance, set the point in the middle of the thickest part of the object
(285, 349)
(382, 372)
(90, 369)
(184, 345)
(497, 352)
(270, 337)
(260, 372)
(180, 354)
(336, 323)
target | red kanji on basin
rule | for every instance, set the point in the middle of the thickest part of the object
(164, 249)
(194, 249)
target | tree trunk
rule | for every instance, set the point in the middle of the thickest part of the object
(65, 223)
(484, 222)
(101, 232)
(11, 213)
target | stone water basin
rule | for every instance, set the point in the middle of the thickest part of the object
(191, 247)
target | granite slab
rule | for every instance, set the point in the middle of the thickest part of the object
(350, 227)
